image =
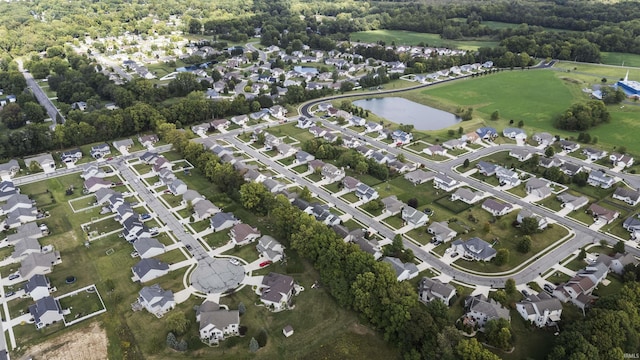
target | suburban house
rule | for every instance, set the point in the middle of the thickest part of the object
(593, 154)
(366, 193)
(317, 131)
(94, 184)
(538, 187)
(507, 177)
(7, 190)
(9, 169)
(71, 156)
(526, 213)
(201, 129)
(285, 150)
(177, 187)
(46, 311)
(37, 287)
(15, 202)
(38, 263)
(600, 179)
(480, 310)
(392, 205)
(371, 247)
(242, 234)
(148, 247)
(303, 157)
(441, 231)
(404, 271)
(270, 249)
(432, 289)
(631, 197)
(372, 127)
(216, 323)
(545, 139)
(617, 262)
(95, 171)
(322, 213)
(191, 197)
(100, 151)
(435, 150)
(570, 169)
(19, 217)
(364, 150)
(273, 185)
(467, 195)
(204, 209)
(24, 247)
(44, 162)
(419, 176)
(414, 217)
(572, 202)
(382, 157)
(240, 120)
(486, 168)
(497, 208)
(569, 146)
(521, 154)
(453, 144)
(148, 140)
(621, 160)
(548, 163)
(271, 142)
(541, 310)
(276, 291)
(578, 289)
(602, 214)
(123, 145)
(487, 133)
(219, 124)
(474, 249)
(156, 300)
(222, 221)
(443, 182)
(514, 133)
(148, 269)
(332, 173)
(253, 175)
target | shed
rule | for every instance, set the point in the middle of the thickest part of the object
(287, 331)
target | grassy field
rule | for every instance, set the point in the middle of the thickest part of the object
(619, 59)
(400, 37)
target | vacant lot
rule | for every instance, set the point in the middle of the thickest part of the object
(400, 37)
(86, 343)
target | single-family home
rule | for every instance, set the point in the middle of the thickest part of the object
(332, 173)
(304, 123)
(24, 247)
(273, 185)
(631, 197)
(435, 150)
(357, 121)
(148, 247)
(487, 133)
(148, 140)
(94, 184)
(271, 141)
(526, 213)
(600, 178)
(216, 322)
(413, 216)
(9, 169)
(317, 131)
(507, 177)
(242, 234)
(542, 310)
(94, 171)
(521, 154)
(276, 291)
(156, 300)
(543, 138)
(514, 133)
(364, 150)
(572, 202)
(222, 221)
(441, 231)
(148, 269)
(486, 168)
(602, 214)
(497, 208)
(303, 157)
(443, 182)
(617, 262)
(7, 190)
(433, 289)
(322, 213)
(270, 249)
(372, 127)
(467, 195)
(134, 229)
(19, 217)
(366, 193)
(220, 151)
(538, 187)
(37, 287)
(382, 157)
(419, 176)
(594, 154)
(44, 162)
(46, 311)
(177, 187)
(474, 249)
(392, 205)
(204, 209)
(38, 263)
(569, 146)
(191, 197)
(548, 163)
(240, 120)
(100, 151)
(621, 160)
(278, 111)
(71, 156)
(219, 124)
(350, 183)
(570, 169)
(15, 202)
(480, 310)
(404, 271)
(454, 144)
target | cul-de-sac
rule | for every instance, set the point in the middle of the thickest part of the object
(319, 180)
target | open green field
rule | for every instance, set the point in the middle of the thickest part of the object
(620, 59)
(401, 37)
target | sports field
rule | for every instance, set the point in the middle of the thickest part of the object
(400, 37)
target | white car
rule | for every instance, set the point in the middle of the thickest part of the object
(234, 261)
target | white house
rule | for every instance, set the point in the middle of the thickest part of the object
(242, 234)
(474, 249)
(148, 269)
(276, 291)
(497, 208)
(270, 249)
(433, 289)
(216, 323)
(156, 300)
(541, 310)
(46, 311)
(413, 216)
(441, 231)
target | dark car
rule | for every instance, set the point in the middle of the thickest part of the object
(14, 276)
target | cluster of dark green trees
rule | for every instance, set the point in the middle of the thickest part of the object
(581, 117)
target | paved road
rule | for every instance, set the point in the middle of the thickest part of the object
(261, 54)
(41, 96)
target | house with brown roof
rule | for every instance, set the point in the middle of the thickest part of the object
(497, 208)
(276, 291)
(242, 234)
(603, 214)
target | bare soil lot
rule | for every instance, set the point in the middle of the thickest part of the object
(88, 343)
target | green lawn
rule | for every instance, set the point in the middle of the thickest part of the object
(616, 58)
(400, 37)
(81, 304)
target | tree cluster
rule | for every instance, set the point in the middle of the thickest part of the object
(583, 116)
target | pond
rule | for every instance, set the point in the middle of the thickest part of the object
(403, 111)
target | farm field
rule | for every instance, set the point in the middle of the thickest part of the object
(400, 37)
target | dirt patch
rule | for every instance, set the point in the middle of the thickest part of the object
(361, 329)
(89, 343)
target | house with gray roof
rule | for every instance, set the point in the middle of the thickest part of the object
(177, 187)
(569, 146)
(538, 187)
(631, 197)
(38, 263)
(7, 190)
(191, 197)
(481, 310)
(474, 249)
(242, 234)
(543, 138)
(19, 217)
(514, 133)
(94, 184)
(216, 323)
(486, 168)
(621, 160)
(222, 221)
(273, 185)
(497, 208)
(37, 287)
(441, 231)
(467, 195)
(94, 170)
(46, 311)
(419, 176)
(156, 300)
(303, 157)
(454, 144)
(526, 213)
(276, 291)
(71, 156)
(433, 289)
(600, 179)
(382, 157)
(572, 202)
(548, 163)
(594, 154)
(435, 150)
(148, 269)
(201, 129)
(100, 151)
(270, 249)
(24, 247)
(404, 271)
(521, 154)
(618, 262)
(44, 162)
(413, 216)
(571, 169)
(15, 202)
(332, 173)
(507, 177)
(392, 205)
(204, 209)
(148, 140)
(134, 229)
(366, 193)
(9, 169)
(28, 230)
(542, 310)
(148, 247)
(371, 247)
(443, 182)
(253, 175)
(364, 150)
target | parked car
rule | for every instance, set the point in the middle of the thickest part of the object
(548, 288)
(234, 261)
(525, 293)
(265, 263)
(145, 217)
(14, 276)
(9, 294)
